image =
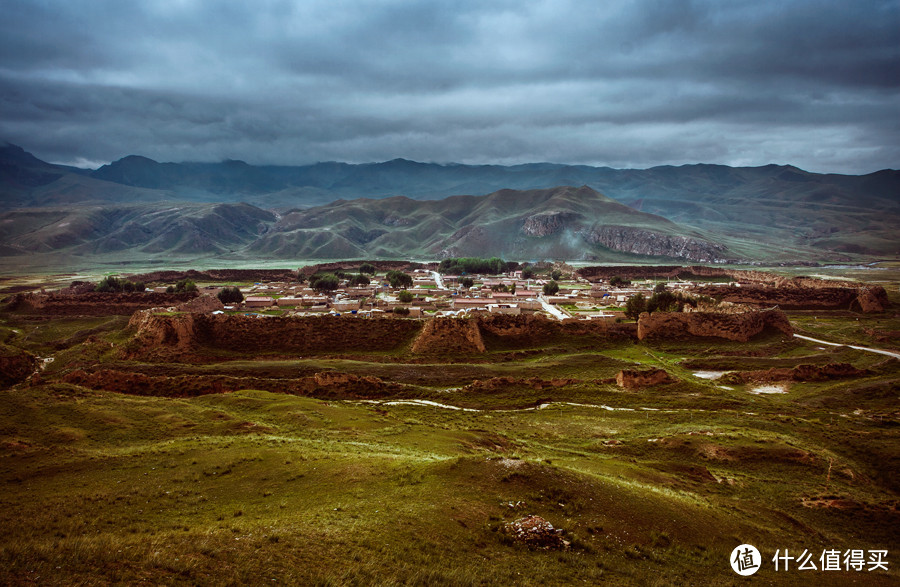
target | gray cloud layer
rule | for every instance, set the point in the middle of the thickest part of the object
(619, 83)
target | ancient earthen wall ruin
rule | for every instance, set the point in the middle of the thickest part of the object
(736, 327)
(272, 334)
(95, 303)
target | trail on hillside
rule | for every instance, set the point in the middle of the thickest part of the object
(859, 348)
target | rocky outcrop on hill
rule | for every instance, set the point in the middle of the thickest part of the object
(449, 336)
(16, 365)
(800, 373)
(647, 242)
(737, 327)
(95, 303)
(631, 379)
(547, 223)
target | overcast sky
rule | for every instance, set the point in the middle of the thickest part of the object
(601, 82)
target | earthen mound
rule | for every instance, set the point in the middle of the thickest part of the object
(631, 379)
(799, 373)
(536, 532)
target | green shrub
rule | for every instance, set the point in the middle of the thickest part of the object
(358, 280)
(635, 306)
(405, 296)
(399, 279)
(230, 295)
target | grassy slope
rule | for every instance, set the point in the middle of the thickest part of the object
(252, 486)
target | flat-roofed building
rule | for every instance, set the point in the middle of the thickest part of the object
(258, 301)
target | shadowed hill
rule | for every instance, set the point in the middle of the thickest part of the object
(772, 212)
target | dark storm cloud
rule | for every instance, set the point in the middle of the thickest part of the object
(622, 83)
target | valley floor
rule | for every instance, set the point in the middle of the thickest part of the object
(654, 485)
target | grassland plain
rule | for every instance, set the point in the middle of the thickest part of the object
(654, 486)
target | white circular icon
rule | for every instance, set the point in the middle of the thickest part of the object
(745, 559)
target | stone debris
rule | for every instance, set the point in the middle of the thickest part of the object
(536, 532)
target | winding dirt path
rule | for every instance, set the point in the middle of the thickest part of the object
(859, 348)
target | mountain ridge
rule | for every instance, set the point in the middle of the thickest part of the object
(754, 211)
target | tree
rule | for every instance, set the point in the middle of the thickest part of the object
(405, 296)
(322, 282)
(401, 311)
(359, 280)
(527, 272)
(551, 288)
(659, 287)
(635, 306)
(664, 301)
(467, 282)
(617, 281)
(182, 286)
(367, 268)
(556, 274)
(230, 295)
(399, 279)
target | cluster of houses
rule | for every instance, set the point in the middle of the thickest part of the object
(442, 295)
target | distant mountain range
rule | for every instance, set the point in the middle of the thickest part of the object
(137, 207)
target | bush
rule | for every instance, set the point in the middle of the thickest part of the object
(358, 280)
(617, 281)
(527, 272)
(551, 288)
(367, 268)
(183, 286)
(467, 282)
(635, 306)
(401, 311)
(659, 287)
(399, 279)
(230, 295)
(556, 275)
(405, 296)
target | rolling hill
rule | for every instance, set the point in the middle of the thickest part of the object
(404, 208)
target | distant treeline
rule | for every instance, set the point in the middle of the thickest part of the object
(492, 266)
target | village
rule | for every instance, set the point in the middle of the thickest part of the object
(424, 293)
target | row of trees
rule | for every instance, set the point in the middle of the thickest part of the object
(114, 284)
(662, 300)
(463, 265)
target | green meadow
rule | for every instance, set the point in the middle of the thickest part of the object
(653, 486)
